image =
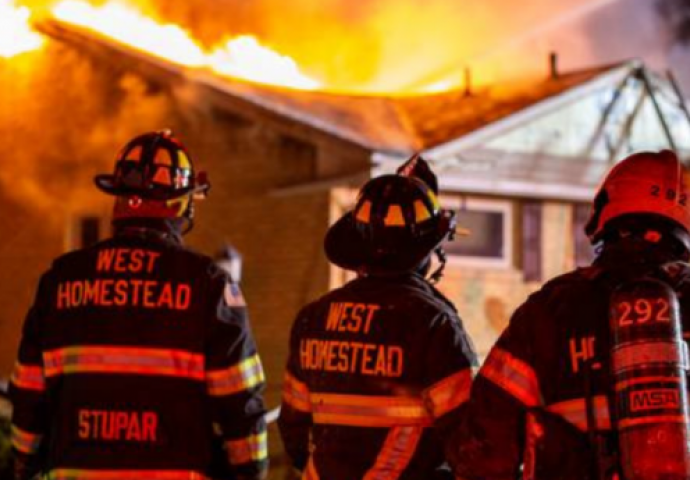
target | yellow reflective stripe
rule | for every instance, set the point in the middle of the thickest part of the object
(396, 453)
(512, 375)
(310, 472)
(25, 442)
(82, 474)
(29, 377)
(575, 411)
(368, 411)
(183, 161)
(449, 393)
(242, 376)
(124, 360)
(434, 200)
(253, 448)
(296, 393)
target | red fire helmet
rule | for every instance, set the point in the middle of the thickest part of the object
(154, 177)
(648, 183)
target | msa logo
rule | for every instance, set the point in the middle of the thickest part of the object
(653, 399)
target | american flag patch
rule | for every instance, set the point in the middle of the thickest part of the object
(233, 296)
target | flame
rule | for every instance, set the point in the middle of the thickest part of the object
(16, 35)
(240, 57)
(245, 57)
(401, 47)
(130, 27)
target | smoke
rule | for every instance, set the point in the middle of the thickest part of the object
(63, 117)
(385, 45)
(396, 46)
(676, 13)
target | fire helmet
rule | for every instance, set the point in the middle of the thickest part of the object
(154, 177)
(396, 224)
(650, 186)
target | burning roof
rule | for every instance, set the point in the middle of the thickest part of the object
(239, 57)
(393, 124)
(389, 127)
(16, 34)
(380, 47)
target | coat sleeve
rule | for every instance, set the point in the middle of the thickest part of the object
(295, 421)
(28, 393)
(490, 445)
(448, 372)
(235, 381)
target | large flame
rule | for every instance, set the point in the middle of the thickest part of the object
(389, 47)
(245, 57)
(16, 35)
(130, 27)
(240, 57)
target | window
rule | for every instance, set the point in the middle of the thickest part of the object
(299, 160)
(83, 231)
(584, 253)
(531, 241)
(490, 242)
(90, 231)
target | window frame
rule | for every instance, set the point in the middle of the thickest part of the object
(505, 208)
(73, 231)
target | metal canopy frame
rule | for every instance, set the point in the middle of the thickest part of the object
(649, 91)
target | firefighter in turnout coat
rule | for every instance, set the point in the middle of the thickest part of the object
(379, 369)
(137, 351)
(542, 403)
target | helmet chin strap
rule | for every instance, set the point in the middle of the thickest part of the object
(188, 217)
(437, 274)
(188, 225)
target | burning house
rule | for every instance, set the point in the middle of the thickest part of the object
(519, 160)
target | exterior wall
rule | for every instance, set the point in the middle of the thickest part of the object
(52, 148)
(486, 297)
(28, 245)
(279, 235)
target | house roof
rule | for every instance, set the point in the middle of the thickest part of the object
(400, 125)
(385, 125)
(441, 118)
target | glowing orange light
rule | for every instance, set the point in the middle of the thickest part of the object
(130, 27)
(244, 57)
(16, 35)
(241, 57)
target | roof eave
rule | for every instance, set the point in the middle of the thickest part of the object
(536, 110)
(163, 70)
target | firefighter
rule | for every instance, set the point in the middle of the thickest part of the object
(545, 403)
(137, 350)
(379, 370)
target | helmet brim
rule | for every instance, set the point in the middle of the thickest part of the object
(346, 247)
(106, 183)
